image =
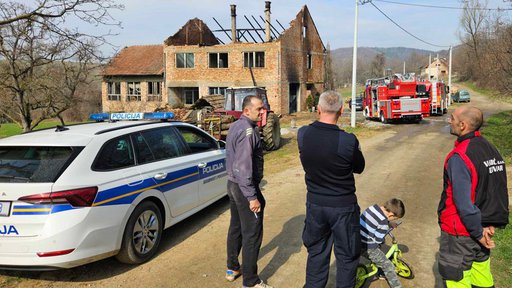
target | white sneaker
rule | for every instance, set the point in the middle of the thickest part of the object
(260, 285)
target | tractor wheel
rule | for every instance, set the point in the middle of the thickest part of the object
(271, 133)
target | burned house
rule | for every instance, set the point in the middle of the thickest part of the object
(288, 64)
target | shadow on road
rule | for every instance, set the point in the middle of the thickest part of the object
(287, 243)
(110, 267)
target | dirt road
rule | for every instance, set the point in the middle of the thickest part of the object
(403, 161)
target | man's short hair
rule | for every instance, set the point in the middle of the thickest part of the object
(395, 206)
(473, 117)
(330, 102)
(248, 101)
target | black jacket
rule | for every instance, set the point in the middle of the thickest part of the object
(330, 156)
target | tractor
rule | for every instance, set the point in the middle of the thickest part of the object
(217, 122)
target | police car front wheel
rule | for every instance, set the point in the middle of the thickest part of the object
(142, 234)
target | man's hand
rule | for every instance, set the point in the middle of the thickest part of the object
(486, 241)
(255, 206)
(489, 231)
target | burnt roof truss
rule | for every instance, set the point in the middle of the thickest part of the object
(253, 33)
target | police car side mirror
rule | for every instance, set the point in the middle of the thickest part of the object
(222, 144)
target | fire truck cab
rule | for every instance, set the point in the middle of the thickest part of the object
(394, 98)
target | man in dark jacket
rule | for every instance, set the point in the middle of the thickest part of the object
(330, 156)
(474, 201)
(244, 162)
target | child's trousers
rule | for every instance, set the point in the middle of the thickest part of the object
(378, 257)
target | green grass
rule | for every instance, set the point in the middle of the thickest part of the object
(498, 130)
(492, 94)
(502, 257)
(10, 129)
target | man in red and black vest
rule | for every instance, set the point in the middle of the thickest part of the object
(473, 203)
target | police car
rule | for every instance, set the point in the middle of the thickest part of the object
(80, 193)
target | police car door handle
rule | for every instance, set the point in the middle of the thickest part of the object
(160, 176)
(201, 165)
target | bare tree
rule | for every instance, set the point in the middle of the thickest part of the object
(43, 63)
(377, 65)
(472, 35)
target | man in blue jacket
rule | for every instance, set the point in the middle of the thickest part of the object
(330, 157)
(244, 162)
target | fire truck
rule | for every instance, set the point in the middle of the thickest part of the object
(437, 92)
(394, 98)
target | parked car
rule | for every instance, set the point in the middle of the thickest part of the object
(359, 103)
(80, 193)
(462, 96)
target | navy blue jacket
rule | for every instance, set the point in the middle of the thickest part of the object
(330, 156)
(244, 156)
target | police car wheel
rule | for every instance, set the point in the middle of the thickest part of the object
(142, 234)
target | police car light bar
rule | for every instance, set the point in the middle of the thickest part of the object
(132, 116)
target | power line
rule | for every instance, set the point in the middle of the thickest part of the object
(416, 37)
(445, 7)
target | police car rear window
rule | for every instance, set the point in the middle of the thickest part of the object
(32, 164)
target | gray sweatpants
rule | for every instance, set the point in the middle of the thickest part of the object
(378, 257)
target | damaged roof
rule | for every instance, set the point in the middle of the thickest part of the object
(137, 60)
(194, 32)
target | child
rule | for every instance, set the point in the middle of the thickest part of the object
(374, 227)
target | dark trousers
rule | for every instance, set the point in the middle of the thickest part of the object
(245, 233)
(325, 227)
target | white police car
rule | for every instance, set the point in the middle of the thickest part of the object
(80, 193)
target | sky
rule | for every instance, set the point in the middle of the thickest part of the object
(152, 21)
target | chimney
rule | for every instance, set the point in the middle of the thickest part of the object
(233, 23)
(267, 21)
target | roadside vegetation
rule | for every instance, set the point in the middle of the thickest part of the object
(10, 129)
(498, 130)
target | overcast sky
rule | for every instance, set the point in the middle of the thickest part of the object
(152, 21)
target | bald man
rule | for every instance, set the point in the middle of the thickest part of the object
(474, 201)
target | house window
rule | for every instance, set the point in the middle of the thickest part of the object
(154, 91)
(184, 60)
(217, 90)
(218, 60)
(190, 95)
(254, 59)
(133, 91)
(114, 91)
(309, 61)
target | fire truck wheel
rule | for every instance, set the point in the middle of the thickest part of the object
(383, 118)
(365, 113)
(271, 133)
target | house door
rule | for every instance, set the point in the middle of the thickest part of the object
(293, 97)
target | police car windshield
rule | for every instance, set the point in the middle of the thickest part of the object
(32, 164)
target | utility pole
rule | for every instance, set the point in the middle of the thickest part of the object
(429, 62)
(354, 67)
(450, 78)
(404, 67)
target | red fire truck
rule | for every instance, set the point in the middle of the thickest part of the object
(437, 93)
(394, 98)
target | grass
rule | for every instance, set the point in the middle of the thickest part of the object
(502, 257)
(498, 130)
(10, 129)
(492, 94)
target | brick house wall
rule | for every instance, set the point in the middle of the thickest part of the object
(123, 105)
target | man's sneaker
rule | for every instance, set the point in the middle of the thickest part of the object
(260, 285)
(231, 275)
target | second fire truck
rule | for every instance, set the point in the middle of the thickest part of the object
(394, 98)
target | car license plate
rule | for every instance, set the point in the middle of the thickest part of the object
(5, 208)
